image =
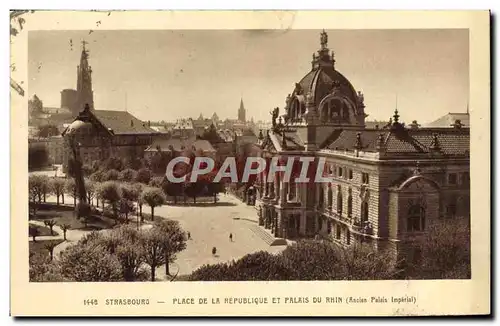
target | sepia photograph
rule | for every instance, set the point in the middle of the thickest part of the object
(243, 155)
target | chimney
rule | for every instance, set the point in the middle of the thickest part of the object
(131, 123)
(149, 123)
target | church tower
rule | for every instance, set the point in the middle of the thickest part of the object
(85, 95)
(242, 112)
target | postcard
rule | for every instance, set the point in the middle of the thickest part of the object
(240, 163)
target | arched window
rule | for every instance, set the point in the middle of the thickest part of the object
(330, 197)
(339, 202)
(416, 218)
(364, 211)
(349, 206)
(321, 201)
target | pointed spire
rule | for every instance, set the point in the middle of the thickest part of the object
(396, 116)
(84, 80)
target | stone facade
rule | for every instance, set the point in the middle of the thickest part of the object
(385, 186)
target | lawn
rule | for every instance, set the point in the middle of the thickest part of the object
(65, 216)
(38, 247)
(43, 230)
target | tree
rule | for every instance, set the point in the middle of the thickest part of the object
(174, 240)
(86, 170)
(111, 192)
(70, 189)
(89, 261)
(111, 175)
(138, 188)
(154, 249)
(35, 188)
(50, 246)
(154, 197)
(361, 262)
(50, 224)
(130, 195)
(143, 176)
(42, 269)
(34, 232)
(127, 175)
(156, 182)
(83, 211)
(91, 188)
(97, 176)
(444, 251)
(47, 131)
(112, 163)
(65, 228)
(130, 253)
(45, 184)
(38, 157)
(57, 188)
(173, 189)
(126, 207)
(313, 260)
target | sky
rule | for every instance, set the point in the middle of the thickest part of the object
(170, 74)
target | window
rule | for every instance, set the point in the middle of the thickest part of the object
(416, 218)
(349, 206)
(339, 232)
(364, 212)
(339, 202)
(348, 236)
(330, 198)
(452, 179)
(329, 227)
(321, 202)
(365, 178)
(340, 172)
(292, 190)
(451, 208)
(350, 174)
(465, 178)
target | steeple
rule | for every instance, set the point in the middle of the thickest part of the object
(323, 58)
(242, 112)
(85, 95)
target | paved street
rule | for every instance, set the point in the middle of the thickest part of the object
(210, 226)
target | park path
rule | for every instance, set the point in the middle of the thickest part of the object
(72, 236)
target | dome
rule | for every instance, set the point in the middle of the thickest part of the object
(77, 126)
(332, 95)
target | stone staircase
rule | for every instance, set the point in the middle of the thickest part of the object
(267, 236)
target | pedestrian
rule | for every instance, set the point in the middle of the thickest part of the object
(189, 235)
(214, 251)
(231, 237)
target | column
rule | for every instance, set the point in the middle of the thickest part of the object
(280, 230)
(302, 228)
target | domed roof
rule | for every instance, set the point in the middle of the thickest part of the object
(321, 81)
(325, 81)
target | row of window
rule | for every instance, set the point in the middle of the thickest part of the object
(340, 204)
(459, 178)
(342, 172)
(338, 232)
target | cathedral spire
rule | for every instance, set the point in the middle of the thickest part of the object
(85, 95)
(242, 112)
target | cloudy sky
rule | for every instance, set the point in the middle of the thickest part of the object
(164, 75)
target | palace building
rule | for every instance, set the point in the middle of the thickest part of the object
(388, 184)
